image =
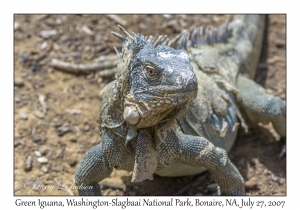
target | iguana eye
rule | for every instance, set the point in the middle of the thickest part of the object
(151, 72)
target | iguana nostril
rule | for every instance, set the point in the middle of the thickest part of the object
(180, 80)
(191, 84)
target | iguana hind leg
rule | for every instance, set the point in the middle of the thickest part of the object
(259, 106)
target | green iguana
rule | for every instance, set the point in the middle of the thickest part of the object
(175, 106)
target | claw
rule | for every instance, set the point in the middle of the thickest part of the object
(215, 188)
(283, 152)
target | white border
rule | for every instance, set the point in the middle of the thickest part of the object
(215, 6)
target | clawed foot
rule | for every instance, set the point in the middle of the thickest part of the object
(283, 152)
(88, 190)
(214, 188)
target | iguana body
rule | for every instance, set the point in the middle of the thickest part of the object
(176, 112)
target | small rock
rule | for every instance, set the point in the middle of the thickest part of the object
(57, 124)
(19, 82)
(72, 162)
(87, 30)
(278, 180)
(42, 160)
(23, 116)
(28, 164)
(43, 150)
(63, 131)
(251, 184)
(74, 111)
(17, 99)
(44, 45)
(100, 80)
(87, 128)
(37, 153)
(16, 25)
(56, 47)
(18, 142)
(45, 169)
(48, 33)
(216, 19)
(37, 139)
(112, 193)
(280, 44)
(166, 16)
(35, 68)
(73, 139)
(38, 114)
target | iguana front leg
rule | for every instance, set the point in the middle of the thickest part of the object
(92, 169)
(198, 151)
(98, 163)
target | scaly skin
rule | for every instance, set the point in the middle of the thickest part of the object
(175, 112)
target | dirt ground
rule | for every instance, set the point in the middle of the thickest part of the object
(56, 113)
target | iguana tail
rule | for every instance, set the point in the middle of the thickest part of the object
(250, 27)
(240, 39)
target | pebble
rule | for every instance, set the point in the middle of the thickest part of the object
(280, 44)
(42, 160)
(16, 25)
(81, 96)
(19, 82)
(45, 169)
(167, 16)
(63, 131)
(37, 138)
(23, 116)
(74, 111)
(44, 45)
(57, 124)
(43, 150)
(18, 142)
(48, 33)
(35, 68)
(73, 139)
(72, 162)
(17, 99)
(37, 153)
(278, 180)
(28, 164)
(216, 19)
(87, 128)
(251, 184)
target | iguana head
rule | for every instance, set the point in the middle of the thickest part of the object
(155, 79)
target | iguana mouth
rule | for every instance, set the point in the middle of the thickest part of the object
(167, 99)
(162, 92)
